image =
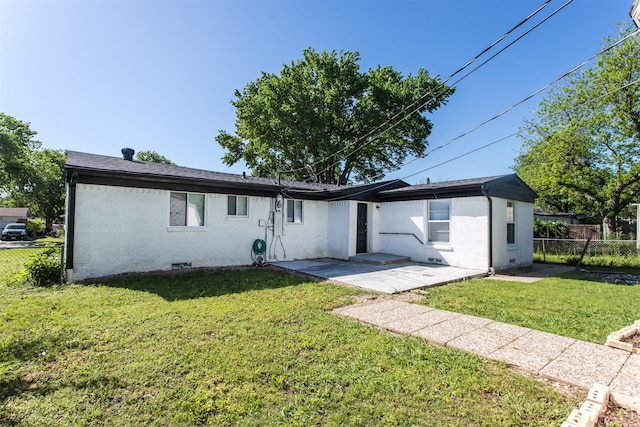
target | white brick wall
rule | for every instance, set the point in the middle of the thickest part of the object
(120, 230)
(521, 253)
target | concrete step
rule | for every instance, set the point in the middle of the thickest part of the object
(380, 259)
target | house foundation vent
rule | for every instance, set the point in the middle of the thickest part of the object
(180, 265)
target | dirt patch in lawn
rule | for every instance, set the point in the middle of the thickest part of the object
(613, 277)
(616, 416)
(634, 340)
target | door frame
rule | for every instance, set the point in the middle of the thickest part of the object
(362, 228)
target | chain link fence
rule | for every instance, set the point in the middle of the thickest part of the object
(595, 248)
(23, 263)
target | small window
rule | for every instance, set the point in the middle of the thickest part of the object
(237, 206)
(439, 221)
(511, 223)
(294, 211)
(186, 210)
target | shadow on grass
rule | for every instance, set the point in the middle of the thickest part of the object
(628, 277)
(203, 283)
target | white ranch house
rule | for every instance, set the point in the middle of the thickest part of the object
(132, 216)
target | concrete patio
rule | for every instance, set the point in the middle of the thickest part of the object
(381, 272)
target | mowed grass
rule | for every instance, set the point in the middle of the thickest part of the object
(252, 347)
(567, 305)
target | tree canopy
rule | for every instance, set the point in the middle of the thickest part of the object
(31, 176)
(153, 157)
(322, 119)
(581, 153)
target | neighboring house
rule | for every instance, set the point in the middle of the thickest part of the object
(11, 215)
(555, 217)
(133, 216)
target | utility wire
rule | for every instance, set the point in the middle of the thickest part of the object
(458, 81)
(382, 185)
(419, 101)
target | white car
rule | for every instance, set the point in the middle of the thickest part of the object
(14, 232)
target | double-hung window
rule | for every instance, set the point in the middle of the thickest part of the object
(186, 210)
(439, 221)
(294, 211)
(237, 206)
(511, 223)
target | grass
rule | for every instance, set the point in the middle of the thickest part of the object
(568, 305)
(611, 261)
(248, 347)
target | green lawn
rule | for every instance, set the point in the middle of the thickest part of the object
(568, 306)
(238, 347)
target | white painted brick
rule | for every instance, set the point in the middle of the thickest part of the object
(620, 345)
(580, 419)
(592, 409)
(599, 394)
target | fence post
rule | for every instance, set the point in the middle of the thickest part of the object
(61, 246)
(584, 250)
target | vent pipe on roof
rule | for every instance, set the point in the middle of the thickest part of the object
(127, 153)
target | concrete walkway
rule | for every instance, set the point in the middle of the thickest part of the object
(578, 363)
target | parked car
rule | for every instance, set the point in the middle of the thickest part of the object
(14, 232)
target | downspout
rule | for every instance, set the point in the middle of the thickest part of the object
(71, 222)
(486, 193)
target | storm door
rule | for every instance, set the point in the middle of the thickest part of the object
(361, 229)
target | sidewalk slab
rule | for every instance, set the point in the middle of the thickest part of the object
(487, 340)
(627, 382)
(567, 360)
(584, 364)
(533, 351)
(413, 324)
(370, 312)
(442, 333)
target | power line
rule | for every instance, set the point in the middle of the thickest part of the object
(465, 76)
(382, 185)
(419, 101)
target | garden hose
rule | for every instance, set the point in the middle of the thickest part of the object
(258, 249)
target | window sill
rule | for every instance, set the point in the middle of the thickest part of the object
(439, 246)
(174, 228)
(512, 247)
(237, 217)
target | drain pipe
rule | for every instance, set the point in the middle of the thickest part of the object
(486, 194)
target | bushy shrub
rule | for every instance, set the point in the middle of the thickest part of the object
(36, 225)
(43, 269)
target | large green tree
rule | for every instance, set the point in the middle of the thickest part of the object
(324, 120)
(42, 188)
(30, 176)
(153, 157)
(582, 151)
(16, 145)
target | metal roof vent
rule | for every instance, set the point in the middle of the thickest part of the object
(127, 153)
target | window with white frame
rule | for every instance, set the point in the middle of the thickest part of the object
(186, 209)
(511, 223)
(294, 211)
(439, 221)
(237, 206)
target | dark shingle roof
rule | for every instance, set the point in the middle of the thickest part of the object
(99, 163)
(108, 170)
(505, 186)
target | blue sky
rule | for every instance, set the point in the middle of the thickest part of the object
(96, 76)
